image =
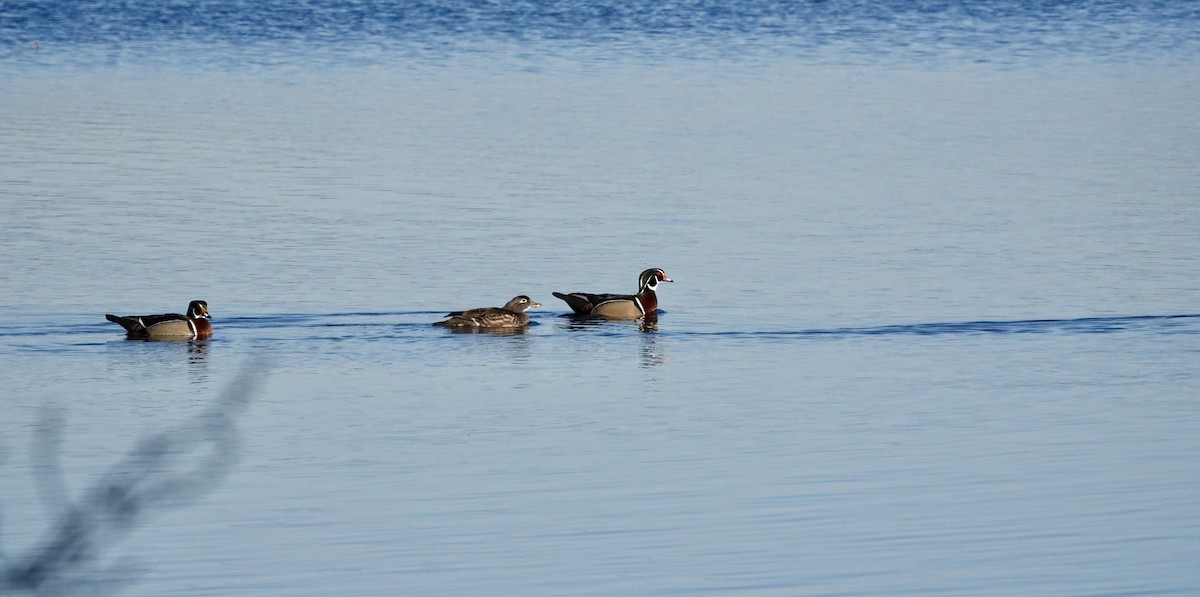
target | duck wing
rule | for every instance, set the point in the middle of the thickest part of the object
(584, 302)
(141, 322)
(487, 317)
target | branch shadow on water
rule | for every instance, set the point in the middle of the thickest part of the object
(165, 470)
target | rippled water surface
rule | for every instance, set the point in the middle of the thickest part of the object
(934, 327)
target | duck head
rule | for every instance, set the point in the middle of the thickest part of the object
(521, 304)
(197, 310)
(650, 279)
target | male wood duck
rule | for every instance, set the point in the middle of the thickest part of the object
(620, 306)
(168, 326)
(511, 315)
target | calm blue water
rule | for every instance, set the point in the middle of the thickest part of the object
(934, 328)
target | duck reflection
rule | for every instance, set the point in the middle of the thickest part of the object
(490, 331)
(197, 351)
(579, 323)
(649, 324)
(197, 360)
(188, 358)
(516, 342)
(651, 352)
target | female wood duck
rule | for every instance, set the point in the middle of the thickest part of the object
(511, 315)
(620, 306)
(168, 326)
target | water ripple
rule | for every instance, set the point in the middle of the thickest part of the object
(393, 324)
(1179, 324)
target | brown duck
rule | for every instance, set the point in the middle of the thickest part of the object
(168, 326)
(620, 306)
(511, 315)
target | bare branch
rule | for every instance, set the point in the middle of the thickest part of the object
(165, 470)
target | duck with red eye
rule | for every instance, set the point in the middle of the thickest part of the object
(167, 326)
(511, 316)
(620, 306)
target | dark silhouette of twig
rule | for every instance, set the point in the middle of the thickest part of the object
(164, 470)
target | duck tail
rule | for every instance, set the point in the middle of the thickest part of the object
(577, 303)
(131, 324)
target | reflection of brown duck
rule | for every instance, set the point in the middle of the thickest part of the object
(511, 315)
(168, 326)
(620, 306)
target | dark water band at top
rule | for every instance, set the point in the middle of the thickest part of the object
(696, 28)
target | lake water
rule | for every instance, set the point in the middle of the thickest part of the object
(935, 325)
